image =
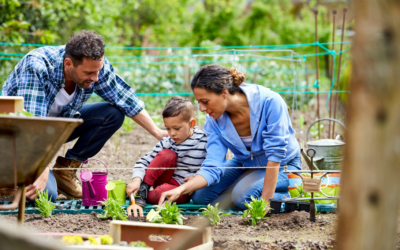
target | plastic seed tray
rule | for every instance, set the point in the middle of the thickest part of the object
(67, 207)
(291, 206)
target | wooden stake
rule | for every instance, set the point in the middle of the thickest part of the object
(317, 66)
(370, 197)
(332, 73)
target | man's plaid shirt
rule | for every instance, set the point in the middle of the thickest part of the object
(39, 76)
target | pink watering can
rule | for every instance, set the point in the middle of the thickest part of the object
(93, 186)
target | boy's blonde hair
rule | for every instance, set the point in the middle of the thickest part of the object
(178, 105)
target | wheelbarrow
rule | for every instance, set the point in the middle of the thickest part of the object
(27, 145)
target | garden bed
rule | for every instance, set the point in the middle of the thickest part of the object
(282, 231)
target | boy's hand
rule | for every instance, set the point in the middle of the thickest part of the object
(136, 210)
(188, 178)
(133, 187)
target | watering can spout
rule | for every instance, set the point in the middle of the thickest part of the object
(308, 160)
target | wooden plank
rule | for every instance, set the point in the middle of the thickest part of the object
(141, 231)
(370, 194)
(11, 104)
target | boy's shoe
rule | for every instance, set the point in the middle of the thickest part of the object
(141, 196)
(67, 181)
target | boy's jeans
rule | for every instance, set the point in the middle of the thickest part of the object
(238, 185)
(100, 122)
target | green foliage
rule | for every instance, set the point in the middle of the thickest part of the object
(112, 209)
(170, 214)
(257, 209)
(178, 23)
(314, 130)
(213, 214)
(138, 244)
(43, 204)
(128, 125)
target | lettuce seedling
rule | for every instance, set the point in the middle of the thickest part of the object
(168, 214)
(256, 211)
(213, 214)
(43, 204)
(112, 209)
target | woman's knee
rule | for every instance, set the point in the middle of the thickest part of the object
(201, 197)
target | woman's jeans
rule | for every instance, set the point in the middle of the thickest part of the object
(238, 185)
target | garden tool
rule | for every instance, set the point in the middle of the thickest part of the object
(132, 203)
(117, 191)
(110, 188)
(153, 213)
(329, 152)
(94, 192)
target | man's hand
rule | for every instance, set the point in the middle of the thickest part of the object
(39, 184)
(136, 210)
(133, 187)
(171, 195)
(161, 134)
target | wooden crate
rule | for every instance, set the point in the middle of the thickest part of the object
(135, 231)
(11, 104)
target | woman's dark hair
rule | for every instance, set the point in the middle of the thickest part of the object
(84, 44)
(178, 105)
(215, 78)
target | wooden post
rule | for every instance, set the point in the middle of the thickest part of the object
(370, 196)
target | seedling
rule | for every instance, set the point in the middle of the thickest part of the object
(257, 209)
(170, 214)
(43, 204)
(112, 209)
(213, 214)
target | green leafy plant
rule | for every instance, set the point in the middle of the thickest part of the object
(169, 214)
(43, 204)
(257, 209)
(112, 209)
(213, 214)
(138, 244)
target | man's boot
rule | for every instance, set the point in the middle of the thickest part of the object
(67, 181)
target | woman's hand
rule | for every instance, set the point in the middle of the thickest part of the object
(133, 187)
(39, 184)
(171, 195)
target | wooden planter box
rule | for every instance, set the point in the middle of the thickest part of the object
(135, 231)
(11, 104)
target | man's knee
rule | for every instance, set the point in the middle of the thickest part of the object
(116, 116)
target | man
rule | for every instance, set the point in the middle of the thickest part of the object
(56, 82)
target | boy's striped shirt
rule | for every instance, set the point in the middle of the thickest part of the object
(191, 153)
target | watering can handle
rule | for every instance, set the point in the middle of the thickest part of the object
(92, 193)
(323, 119)
(95, 160)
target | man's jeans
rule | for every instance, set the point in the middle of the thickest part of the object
(100, 122)
(238, 185)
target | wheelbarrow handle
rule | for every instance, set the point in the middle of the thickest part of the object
(323, 119)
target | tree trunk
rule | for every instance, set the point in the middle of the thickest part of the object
(368, 209)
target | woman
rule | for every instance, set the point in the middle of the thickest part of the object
(253, 122)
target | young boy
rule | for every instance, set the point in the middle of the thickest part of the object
(185, 148)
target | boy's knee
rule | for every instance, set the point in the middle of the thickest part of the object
(167, 154)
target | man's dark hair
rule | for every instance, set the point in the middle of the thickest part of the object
(84, 44)
(178, 105)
